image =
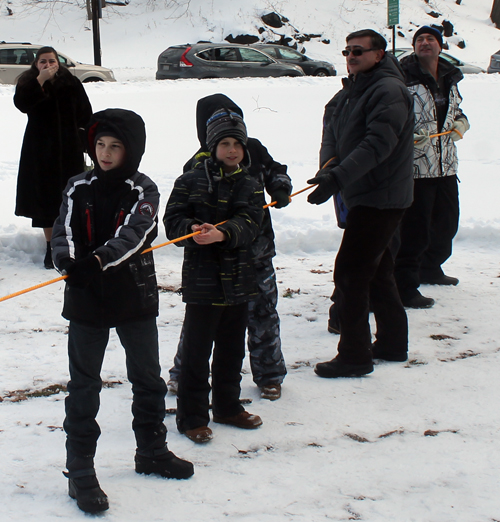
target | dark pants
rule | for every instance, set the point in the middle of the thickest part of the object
(203, 326)
(364, 272)
(86, 347)
(427, 231)
(264, 342)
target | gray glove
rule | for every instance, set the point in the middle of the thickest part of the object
(459, 128)
(421, 138)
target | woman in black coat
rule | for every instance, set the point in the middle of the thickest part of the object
(57, 106)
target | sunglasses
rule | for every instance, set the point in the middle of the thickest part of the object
(355, 52)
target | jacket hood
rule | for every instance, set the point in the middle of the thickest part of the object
(412, 69)
(205, 109)
(388, 66)
(128, 127)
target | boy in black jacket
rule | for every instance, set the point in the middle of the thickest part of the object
(264, 342)
(218, 277)
(108, 218)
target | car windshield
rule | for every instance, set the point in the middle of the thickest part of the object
(450, 59)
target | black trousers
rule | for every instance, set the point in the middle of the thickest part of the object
(264, 342)
(204, 326)
(86, 347)
(427, 231)
(364, 272)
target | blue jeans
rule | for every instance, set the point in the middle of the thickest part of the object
(86, 348)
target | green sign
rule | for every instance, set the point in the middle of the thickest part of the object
(392, 12)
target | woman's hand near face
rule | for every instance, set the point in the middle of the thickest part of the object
(48, 73)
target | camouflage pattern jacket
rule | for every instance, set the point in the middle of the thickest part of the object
(439, 156)
(220, 273)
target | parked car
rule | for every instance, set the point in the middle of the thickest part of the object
(15, 58)
(209, 60)
(466, 68)
(291, 56)
(494, 66)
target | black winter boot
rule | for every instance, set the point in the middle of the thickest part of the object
(162, 462)
(47, 261)
(337, 368)
(84, 488)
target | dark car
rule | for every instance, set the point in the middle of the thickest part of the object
(291, 56)
(466, 68)
(494, 66)
(209, 60)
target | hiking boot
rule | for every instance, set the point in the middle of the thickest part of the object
(443, 280)
(84, 488)
(47, 261)
(200, 435)
(333, 320)
(418, 301)
(162, 462)
(244, 420)
(337, 368)
(271, 392)
(173, 386)
(386, 355)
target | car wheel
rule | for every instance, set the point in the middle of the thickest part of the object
(89, 80)
(321, 72)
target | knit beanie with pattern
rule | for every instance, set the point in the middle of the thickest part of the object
(225, 124)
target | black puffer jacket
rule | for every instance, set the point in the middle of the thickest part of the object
(260, 165)
(369, 130)
(52, 151)
(220, 273)
(114, 215)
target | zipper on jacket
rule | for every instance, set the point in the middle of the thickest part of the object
(89, 225)
(120, 219)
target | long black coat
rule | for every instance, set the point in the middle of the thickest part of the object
(52, 151)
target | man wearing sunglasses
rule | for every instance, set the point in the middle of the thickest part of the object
(367, 156)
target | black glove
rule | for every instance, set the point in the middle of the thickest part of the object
(64, 264)
(327, 186)
(81, 272)
(281, 197)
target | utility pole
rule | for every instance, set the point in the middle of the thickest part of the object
(95, 32)
(495, 13)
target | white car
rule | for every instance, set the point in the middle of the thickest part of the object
(15, 58)
(466, 68)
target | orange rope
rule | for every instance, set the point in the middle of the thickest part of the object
(442, 134)
(36, 287)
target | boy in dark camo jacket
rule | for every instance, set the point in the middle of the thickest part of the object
(264, 343)
(218, 276)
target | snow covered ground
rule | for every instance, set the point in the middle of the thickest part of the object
(414, 441)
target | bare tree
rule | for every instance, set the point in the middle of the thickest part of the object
(495, 13)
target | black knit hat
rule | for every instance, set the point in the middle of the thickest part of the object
(225, 124)
(429, 30)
